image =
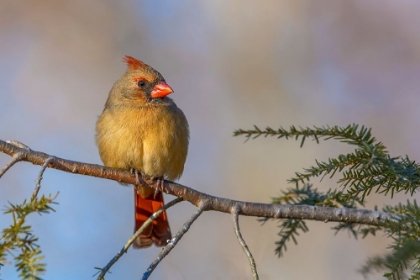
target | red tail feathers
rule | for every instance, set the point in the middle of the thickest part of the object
(158, 232)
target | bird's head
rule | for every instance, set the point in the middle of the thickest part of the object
(141, 83)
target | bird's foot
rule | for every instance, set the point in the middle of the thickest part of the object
(136, 172)
(160, 183)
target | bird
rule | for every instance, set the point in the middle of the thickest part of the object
(142, 129)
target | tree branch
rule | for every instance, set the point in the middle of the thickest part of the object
(16, 157)
(241, 240)
(326, 214)
(41, 173)
(172, 243)
(105, 269)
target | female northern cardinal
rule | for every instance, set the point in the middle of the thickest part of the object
(142, 129)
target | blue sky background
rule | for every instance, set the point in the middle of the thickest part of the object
(232, 64)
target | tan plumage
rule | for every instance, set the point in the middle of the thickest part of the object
(140, 128)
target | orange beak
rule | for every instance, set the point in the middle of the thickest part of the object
(161, 90)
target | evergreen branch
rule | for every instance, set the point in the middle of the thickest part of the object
(350, 134)
(307, 195)
(352, 160)
(368, 167)
(19, 238)
(395, 263)
(289, 229)
(388, 175)
(405, 253)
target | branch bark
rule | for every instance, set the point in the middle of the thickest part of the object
(244, 246)
(325, 214)
(172, 243)
(124, 250)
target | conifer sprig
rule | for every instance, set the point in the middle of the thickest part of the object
(368, 168)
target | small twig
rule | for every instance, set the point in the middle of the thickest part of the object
(151, 219)
(16, 158)
(244, 246)
(165, 251)
(136, 234)
(38, 181)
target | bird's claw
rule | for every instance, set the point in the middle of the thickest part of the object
(160, 182)
(136, 172)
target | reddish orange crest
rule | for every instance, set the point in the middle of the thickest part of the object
(133, 64)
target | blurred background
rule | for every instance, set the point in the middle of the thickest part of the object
(232, 64)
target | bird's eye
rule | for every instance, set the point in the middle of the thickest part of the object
(141, 83)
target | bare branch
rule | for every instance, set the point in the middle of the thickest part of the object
(173, 242)
(16, 158)
(244, 246)
(105, 269)
(38, 181)
(325, 214)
